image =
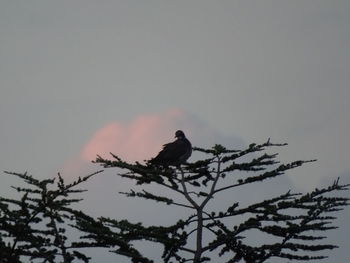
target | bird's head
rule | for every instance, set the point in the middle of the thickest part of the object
(179, 134)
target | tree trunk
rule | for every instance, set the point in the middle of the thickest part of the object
(198, 254)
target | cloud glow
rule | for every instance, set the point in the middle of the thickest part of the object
(138, 140)
(142, 138)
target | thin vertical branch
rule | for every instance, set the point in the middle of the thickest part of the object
(60, 241)
(199, 249)
(212, 190)
(185, 192)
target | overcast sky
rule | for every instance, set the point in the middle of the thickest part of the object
(83, 76)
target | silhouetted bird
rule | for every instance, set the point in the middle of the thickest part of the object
(174, 153)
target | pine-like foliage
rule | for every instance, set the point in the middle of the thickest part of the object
(34, 227)
(294, 220)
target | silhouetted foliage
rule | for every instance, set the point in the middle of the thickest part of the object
(34, 226)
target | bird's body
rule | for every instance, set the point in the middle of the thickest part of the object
(174, 153)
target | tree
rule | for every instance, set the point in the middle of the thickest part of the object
(289, 217)
(35, 226)
(291, 222)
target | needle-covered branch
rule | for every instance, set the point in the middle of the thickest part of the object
(36, 223)
(287, 217)
(292, 225)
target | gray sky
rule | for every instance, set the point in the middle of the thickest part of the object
(245, 70)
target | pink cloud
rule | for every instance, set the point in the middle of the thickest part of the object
(137, 140)
(142, 138)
